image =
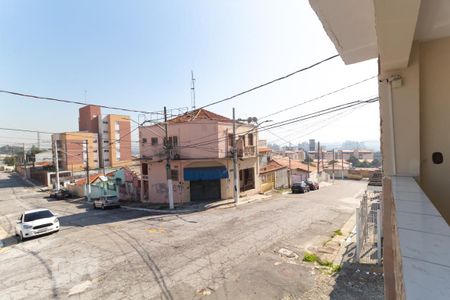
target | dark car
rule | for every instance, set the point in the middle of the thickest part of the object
(60, 194)
(312, 185)
(299, 187)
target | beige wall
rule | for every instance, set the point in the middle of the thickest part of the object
(157, 182)
(435, 121)
(406, 120)
(198, 139)
(421, 120)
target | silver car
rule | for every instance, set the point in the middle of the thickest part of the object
(106, 201)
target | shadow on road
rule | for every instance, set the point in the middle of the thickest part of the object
(358, 281)
(13, 180)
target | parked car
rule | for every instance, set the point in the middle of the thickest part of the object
(36, 222)
(299, 187)
(60, 194)
(106, 201)
(312, 185)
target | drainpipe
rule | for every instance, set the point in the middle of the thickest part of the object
(390, 80)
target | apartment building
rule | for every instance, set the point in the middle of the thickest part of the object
(201, 144)
(74, 149)
(114, 135)
(411, 40)
(362, 155)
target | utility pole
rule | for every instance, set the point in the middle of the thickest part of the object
(321, 153)
(307, 162)
(88, 180)
(24, 161)
(168, 168)
(56, 165)
(235, 164)
(318, 159)
(290, 174)
(333, 165)
(39, 140)
(192, 90)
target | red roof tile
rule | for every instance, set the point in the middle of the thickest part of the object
(199, 114)
(270, 167)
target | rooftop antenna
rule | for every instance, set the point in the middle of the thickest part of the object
(192, 90)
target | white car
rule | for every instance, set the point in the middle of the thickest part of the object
(36, 222)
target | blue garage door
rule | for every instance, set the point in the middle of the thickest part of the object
(209, 173)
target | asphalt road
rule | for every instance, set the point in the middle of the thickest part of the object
(221, 253)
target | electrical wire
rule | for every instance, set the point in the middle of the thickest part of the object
(317, 98)
(78, 102)
(270, 82)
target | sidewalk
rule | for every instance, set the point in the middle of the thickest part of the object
(193, 207)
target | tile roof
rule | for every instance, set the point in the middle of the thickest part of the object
(264, 149)
(270, 167)
(92, 178)
(199, 114)
(295, 164)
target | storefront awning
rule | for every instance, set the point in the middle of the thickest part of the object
(209, 173)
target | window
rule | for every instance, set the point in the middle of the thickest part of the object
(105, 122)
(230, 140)
(250, 139)
(174, 174)
(173, 141)
(154, 141)
(105, 131)
(105, 141)
(106, 150)
(106, 159)
(94, 141)
(144, 141)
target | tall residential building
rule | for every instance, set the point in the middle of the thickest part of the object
(74, 148)
(114, 137)
(312, 145)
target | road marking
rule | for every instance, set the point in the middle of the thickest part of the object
(156, 230)
(80, 288)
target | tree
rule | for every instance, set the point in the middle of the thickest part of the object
(9, 160)
(376, 163)
(354, 161)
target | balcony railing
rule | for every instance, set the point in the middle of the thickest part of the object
(247, 151)
(416, 243)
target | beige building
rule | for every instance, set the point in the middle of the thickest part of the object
(74, 149)
(201, 144)
(411, 39)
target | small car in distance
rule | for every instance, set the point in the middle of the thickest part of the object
(299, 187)
(313, 186)
(106, 201)
(36, 222)
(60, 194)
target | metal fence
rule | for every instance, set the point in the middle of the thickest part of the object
(368, 229)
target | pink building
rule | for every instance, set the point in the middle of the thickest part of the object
(201, 158)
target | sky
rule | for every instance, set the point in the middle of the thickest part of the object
(139, 55)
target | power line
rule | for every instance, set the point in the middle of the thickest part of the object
(270, 82)
(83, 103)
(317, 98)
(294, 120)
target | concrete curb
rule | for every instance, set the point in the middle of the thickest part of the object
(347, 231)
(161, 211)
(223, 204)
